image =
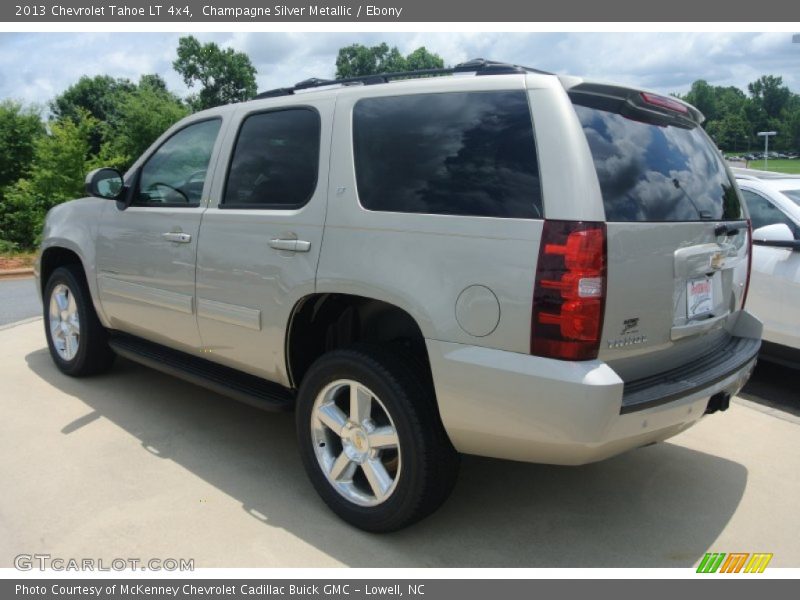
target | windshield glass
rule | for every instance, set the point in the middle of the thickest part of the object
(794, 195)
(651, 172)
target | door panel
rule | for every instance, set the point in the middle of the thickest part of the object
(146, 282)
(775, 293)
(775, 280)
(261, 236)
(146, 252)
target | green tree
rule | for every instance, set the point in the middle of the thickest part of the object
(793, 123)
(358, 60)
(142, 116)
(703, 97)
(99, 97)
(224, 76)
(56, 174)
(731, 132)
(730, 100)
(733, 118)
(20, 127)
(769, 93)
(421, 59)
(153, 81)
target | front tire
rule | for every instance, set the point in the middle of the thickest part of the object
(77, 341)
(371, 439)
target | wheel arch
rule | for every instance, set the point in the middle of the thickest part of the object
(60, 253)
(322, 322)
(56, 256)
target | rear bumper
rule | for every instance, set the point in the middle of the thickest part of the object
(519, 407)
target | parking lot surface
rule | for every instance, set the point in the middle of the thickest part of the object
(138, 464)
(18, 300)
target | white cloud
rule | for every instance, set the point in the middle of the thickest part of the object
(36, 67)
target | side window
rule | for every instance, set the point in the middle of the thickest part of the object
(175, 173)
(275, 161)
(763, 212)
(458, 153)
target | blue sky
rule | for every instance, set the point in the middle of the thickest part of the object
(34, 67)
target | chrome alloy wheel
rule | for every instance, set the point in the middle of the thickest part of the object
(65, 325)
(356, 442)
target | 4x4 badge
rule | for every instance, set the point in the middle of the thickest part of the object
(629, 326)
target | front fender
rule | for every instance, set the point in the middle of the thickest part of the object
(73, 226)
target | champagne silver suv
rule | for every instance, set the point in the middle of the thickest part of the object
(488, 259)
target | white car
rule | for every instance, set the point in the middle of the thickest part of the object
(773, 200)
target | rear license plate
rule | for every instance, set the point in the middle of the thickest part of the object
(699, 297)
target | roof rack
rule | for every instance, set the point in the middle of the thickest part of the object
(479, 66)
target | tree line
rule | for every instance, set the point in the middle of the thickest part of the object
(734, 117)
(107, 121)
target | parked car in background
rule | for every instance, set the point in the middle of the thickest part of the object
(773, 200)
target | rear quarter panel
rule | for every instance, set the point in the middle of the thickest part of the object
(422, 262)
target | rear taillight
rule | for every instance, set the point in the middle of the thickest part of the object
(749, 261)
(569, 295)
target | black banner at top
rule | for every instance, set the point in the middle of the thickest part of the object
(442, 11)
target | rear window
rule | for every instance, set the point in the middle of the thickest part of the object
(658, 173)
(461, 153)
(275, 161)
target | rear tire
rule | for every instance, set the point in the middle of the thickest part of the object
(77, 341)
(371, 439)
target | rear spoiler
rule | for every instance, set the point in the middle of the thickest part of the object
(636, 104)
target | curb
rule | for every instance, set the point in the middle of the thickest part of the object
(18, 323)
(12, 273)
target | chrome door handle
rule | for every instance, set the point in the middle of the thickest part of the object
(175, 236)
(290, 245)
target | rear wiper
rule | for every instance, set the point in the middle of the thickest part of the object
(703, 214)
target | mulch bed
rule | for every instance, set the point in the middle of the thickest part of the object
(15, 262)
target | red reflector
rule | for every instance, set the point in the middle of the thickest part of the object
(568, 299)
(749, 261)
(665, 102)
(579, 320)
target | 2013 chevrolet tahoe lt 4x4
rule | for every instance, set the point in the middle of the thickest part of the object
(493, 260)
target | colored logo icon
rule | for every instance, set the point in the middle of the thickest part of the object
(734, 562)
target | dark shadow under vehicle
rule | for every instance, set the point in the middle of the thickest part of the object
(661, 506)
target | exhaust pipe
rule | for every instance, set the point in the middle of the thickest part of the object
(717, 402)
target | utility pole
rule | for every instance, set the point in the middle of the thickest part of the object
(766, 135)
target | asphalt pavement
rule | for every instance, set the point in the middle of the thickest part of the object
(138, 464)
(18, 300)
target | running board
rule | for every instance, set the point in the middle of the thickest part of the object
(223, 380)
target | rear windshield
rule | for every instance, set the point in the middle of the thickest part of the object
(659, 173)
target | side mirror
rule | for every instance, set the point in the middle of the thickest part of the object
(105, 183)
(777, 235)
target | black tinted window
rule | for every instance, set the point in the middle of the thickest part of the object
(275, 161)
(763, 212)
(455, 154)
(654, 172)
(175, 173)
